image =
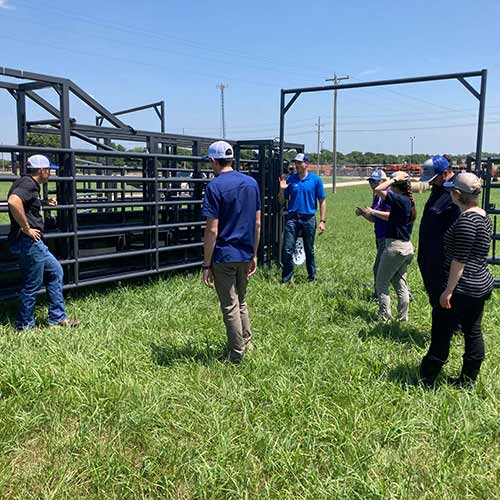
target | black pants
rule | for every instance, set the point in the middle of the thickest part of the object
(468, 312)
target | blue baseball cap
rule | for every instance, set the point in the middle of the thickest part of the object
(301, 157)
(433, 167)
(40, 161)
(220, 150)
(377, 175)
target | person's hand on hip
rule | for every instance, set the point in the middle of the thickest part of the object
(34, 234)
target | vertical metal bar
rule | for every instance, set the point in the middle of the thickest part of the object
(480, 124)
(76, 249)
(281, 160)
(494, 246)
(262, 172)
(162, 116)
(22, 130)
(157, 213)
(334, 170)
(237, 156)
(64, 189)
(65, 118)
(282, 130)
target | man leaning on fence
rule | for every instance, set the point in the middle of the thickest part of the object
(232, 209)
(38, 266)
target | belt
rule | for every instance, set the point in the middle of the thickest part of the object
(301, 216)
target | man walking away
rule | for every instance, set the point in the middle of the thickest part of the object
(38, 266)
(303, 190)
(233, 211)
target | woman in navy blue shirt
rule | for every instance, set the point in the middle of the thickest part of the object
(399, 251)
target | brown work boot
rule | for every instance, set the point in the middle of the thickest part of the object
(72, 323)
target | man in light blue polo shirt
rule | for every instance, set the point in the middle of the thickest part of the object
(303, 190)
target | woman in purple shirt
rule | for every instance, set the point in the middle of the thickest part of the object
(380, 222)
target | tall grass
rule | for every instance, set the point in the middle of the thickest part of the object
(134, 404)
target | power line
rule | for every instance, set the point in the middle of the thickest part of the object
(195, 45)
(461, 125)
(191, 44)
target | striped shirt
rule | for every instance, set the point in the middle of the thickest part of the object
(468, 241)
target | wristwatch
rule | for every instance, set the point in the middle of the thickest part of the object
(322, 221)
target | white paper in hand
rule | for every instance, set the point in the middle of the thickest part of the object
(299, 255)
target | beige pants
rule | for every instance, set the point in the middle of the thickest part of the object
(393, 268)
(231, 282)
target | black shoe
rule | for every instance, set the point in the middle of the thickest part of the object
(429, 371)
(231, 357)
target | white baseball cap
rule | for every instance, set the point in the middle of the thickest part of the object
(301, 157)
(220, 150)
(40, 161)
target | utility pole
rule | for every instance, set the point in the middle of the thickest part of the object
(319, 141)
(222, 86)
(411, 150)
(336, 79)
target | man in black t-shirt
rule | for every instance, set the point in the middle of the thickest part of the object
(38, 266)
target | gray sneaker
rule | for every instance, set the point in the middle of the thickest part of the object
(249, 347)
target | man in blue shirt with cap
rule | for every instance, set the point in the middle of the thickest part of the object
(232, 208)
(38, 266)
(303, 190)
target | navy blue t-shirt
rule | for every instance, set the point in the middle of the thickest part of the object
(400, 225)
(233, 198)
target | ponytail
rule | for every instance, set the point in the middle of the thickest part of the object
(409, 193)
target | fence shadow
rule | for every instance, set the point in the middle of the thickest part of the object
(395, 331)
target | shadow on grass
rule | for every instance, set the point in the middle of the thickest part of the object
(405, 375)
(408, 375)
(397, 332)
(188, 353)
(9, 307)
(364, 313)
(8, 313)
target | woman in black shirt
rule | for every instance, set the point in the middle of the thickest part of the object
(398, 252)
(469, 284)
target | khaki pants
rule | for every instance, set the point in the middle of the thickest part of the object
(231, 282)
(393, 268)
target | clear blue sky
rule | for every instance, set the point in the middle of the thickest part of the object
(127, 53)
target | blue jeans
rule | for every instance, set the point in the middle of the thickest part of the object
(294, 225)
(38, 267)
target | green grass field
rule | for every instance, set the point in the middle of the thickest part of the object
(135, 405)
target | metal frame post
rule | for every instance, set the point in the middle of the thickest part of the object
(480, 125)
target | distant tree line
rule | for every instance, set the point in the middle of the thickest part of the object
(363, 158)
